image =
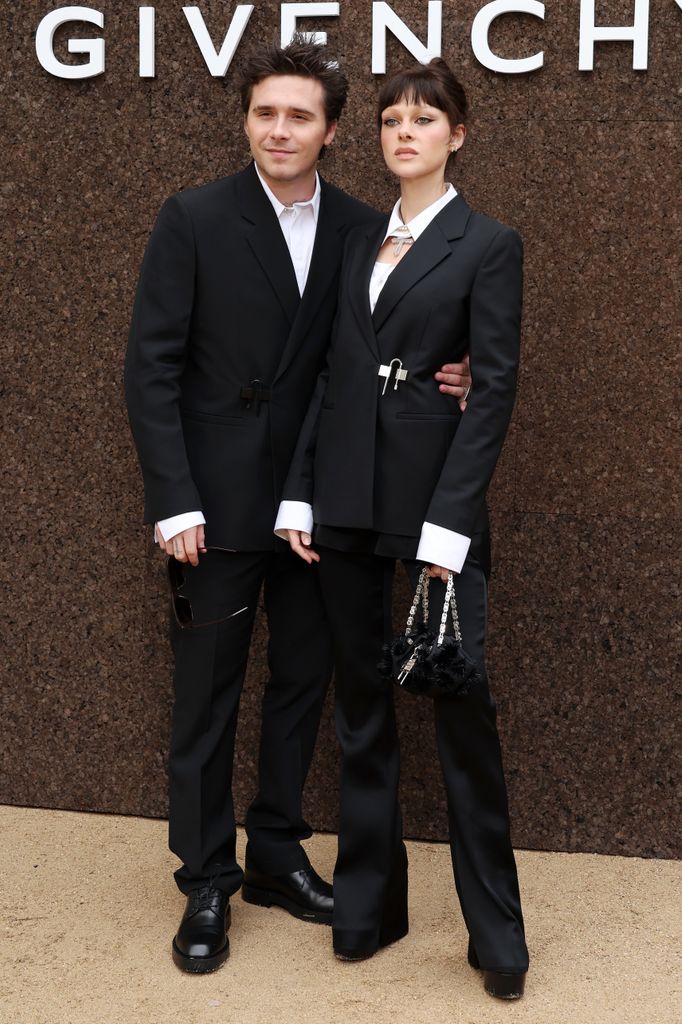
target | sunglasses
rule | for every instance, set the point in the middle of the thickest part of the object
(181, 604)
(182, 607)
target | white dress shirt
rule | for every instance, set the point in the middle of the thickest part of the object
(437, 546)
(420, 223)
(381, 271)
(299, 224)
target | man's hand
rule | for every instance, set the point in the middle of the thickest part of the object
(185, 546)
(455, 379)
(300, 544)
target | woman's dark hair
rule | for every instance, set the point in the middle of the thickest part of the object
(309, 60)
(433, 84)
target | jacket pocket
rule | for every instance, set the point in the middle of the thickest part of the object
(209, 417)
(442, 416)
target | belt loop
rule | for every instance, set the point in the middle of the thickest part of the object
(255, 392)
(257, 386)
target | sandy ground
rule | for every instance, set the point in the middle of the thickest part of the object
(88, 910)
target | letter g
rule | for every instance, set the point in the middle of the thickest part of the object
(94, 47)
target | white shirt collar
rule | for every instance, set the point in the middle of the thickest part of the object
(419, 223)
(279, 207)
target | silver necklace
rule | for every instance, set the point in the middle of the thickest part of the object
(401, 236)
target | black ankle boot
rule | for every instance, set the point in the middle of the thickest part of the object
(394, 922)
(501, 984)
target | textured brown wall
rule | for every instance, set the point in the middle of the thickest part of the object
(583, 626)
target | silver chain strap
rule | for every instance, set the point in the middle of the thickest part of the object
(415, 601)
(425, 600)
(421, 594)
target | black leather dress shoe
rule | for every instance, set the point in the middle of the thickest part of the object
(501, 984)
(303, 893)
(201, 944)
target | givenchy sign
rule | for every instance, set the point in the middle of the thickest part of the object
(218, 46)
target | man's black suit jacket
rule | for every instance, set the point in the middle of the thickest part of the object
(218, 306)
(391, 462)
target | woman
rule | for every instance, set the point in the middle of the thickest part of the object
(386, 469)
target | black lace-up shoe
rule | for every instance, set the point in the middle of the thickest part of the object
(303, 893)
(201, 944)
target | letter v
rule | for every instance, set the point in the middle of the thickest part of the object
(218, 63)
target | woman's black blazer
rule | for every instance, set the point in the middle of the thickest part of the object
(391, 461)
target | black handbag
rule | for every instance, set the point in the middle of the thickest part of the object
(424, 663)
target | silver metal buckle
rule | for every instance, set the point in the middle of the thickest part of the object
(395, 370)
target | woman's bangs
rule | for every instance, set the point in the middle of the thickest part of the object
(413, 92)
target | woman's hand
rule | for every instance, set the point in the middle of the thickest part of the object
(437, 572)
(300, 544)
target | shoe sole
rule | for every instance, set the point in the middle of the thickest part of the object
(353, 958)
(503, 994)
(200, 964)
(269, 898)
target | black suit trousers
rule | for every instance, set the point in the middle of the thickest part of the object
(210, 664)
(357, 592)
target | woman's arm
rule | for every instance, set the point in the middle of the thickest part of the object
(495, 323)
(294, 521)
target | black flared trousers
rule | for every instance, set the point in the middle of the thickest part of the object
(210, 664)
(370, 879)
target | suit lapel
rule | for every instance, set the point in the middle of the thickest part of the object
(324, 269)
(265, 237)
(364, 259)
(430, 249)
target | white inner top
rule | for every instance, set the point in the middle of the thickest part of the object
(418, 224)
(380, 275)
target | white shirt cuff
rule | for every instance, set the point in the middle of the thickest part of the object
(438, 546)
(294, 515)
(176, 524)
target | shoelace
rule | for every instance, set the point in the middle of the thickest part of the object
(202, 899)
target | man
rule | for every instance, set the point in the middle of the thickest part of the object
(231, 324)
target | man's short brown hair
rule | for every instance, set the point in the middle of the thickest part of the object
(309, 60)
